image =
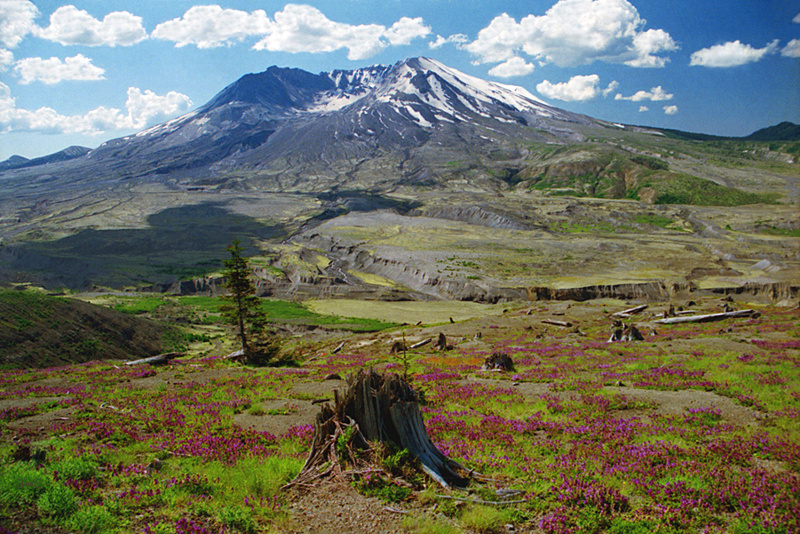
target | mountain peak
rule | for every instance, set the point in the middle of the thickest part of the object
(289, 121)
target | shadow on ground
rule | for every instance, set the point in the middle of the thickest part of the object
(179, 243)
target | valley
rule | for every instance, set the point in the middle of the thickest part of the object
(385, 211)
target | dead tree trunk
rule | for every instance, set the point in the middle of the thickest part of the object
(379, 408)
(709, 318)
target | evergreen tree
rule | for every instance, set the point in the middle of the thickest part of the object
(243, 309)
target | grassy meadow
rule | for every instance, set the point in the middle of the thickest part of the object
(694, 429)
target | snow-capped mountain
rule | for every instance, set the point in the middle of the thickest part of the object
(287, 124)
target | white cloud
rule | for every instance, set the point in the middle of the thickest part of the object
(796, 19)
(212, 26)
(670, 110)
(141, 108)
(6, 58)
(54, 70)
(655, 94)
(72, 26)
(792, 49)
(611, 88)
(642, 109)
(406, 30)
(297, 28)
(574, 32)
(301, 28)
(16, 21)
(731, 54)
(516, 66)
(649, 43)
(457, 39)
(578, 88)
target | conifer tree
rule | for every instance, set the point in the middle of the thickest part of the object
(243, 309)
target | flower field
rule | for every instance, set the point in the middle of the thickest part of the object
(694, 429)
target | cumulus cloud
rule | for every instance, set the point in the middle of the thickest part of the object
(297, 28)
(611, 88)
(796, 19)
(655, 94)
(670, 110)
(577, 89)
(72, 26)
(642, 109)
(16, 21)
(575, 32)
(516, 66)
(54, 70)
(6, 59)
(212, 27)
(792, 49)
(141, 108)
(457, 39)
(406, 30)
(301, 28)
(731, 54)
(647, 45)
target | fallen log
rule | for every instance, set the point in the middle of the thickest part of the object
(420, 344)
(374, 408)
(562, 324)
(158, 359)
(630, 311)
(710, 317)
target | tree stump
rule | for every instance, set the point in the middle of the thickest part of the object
(499, 361)
(374, 408)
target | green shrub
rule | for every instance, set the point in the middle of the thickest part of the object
(22, 483)
(58, 502)
(93, 520)
(76, 469)
(426, 525)
(238, 518)
(485, 518)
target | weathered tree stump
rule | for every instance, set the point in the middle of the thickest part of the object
(374, 408)
(441, 343)
(499, 361)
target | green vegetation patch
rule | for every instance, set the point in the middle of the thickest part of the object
(38, 330)
(686, 189)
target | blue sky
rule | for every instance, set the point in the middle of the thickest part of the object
(83, 72)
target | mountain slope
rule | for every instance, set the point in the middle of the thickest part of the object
(290, 124)
(18, 162)
(38, 330)
(785, 131)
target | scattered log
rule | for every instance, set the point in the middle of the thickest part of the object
(499, 361)
(338, 349)
(235, 355)
(420, 344)
(158, 359)
(630, 311)
(480, 501)
(554, 322)
(710, 317)
(374, 408)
